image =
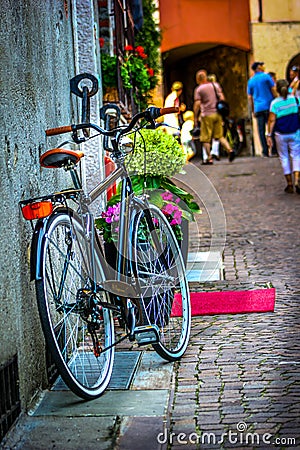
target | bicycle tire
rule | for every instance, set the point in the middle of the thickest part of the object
(163, 285)
(71, 318)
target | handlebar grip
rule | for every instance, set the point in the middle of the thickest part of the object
(58, 130)
(171, 110)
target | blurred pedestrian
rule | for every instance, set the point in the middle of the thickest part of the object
(284, 121)
(215, 145)
(173, 99)
(294, 87)
(261, 91)
(205, 110)
(187, 141)
(273, 76)
(273, 149)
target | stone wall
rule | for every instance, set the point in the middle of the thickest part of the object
(41, 45)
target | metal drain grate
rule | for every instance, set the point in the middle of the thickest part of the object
(124, 369)
(10, 405)
(125, 366)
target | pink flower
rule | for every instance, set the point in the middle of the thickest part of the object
(177, 216)
(128, 48)
(169, 208)
(112, 214)
(172, 212)
(167, 196)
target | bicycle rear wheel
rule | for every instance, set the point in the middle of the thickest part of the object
(160, 272)
(75, 326)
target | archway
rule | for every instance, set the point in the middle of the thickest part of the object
(230, 65)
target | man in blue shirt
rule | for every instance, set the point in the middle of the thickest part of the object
(261, 91)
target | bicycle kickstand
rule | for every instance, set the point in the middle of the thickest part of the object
(144, 334)
(131, 319)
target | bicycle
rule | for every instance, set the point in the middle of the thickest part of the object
(80, 296)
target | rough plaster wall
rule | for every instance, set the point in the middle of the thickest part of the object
(37, 61)
(276, 44)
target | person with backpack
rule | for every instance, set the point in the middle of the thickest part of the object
(284, 122)
(206, 96)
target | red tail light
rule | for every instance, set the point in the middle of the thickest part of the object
(37, 210)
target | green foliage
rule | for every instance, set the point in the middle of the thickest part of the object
(141, 64)
(149, 37)
(108, 70)
(156, 157)
(104, 229)
(156, 153)
(155, 185)
(134, 74)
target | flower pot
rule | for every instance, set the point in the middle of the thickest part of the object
(184, 244)
(110, 251)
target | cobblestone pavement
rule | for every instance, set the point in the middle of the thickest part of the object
(238, 384)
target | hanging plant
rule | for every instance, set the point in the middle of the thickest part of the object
(136, 75)
(149, 37)
(108, 70)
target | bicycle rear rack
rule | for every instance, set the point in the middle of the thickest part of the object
(41, 207)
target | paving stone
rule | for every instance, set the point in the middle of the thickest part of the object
(126, 403)
(62, 433)
(153, 373)
(252, 259)
(140, 433)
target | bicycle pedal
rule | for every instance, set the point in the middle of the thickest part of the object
(146, 334)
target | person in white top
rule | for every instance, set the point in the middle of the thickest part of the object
(172, 120)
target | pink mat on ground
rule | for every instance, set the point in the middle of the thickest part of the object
(229, 302)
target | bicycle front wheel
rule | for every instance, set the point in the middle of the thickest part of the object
(160, 272)
(78, 331)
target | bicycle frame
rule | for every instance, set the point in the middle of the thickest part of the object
(116, 281)
(129, 203)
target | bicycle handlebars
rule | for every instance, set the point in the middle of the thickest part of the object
(150, 115)
(59, 130)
